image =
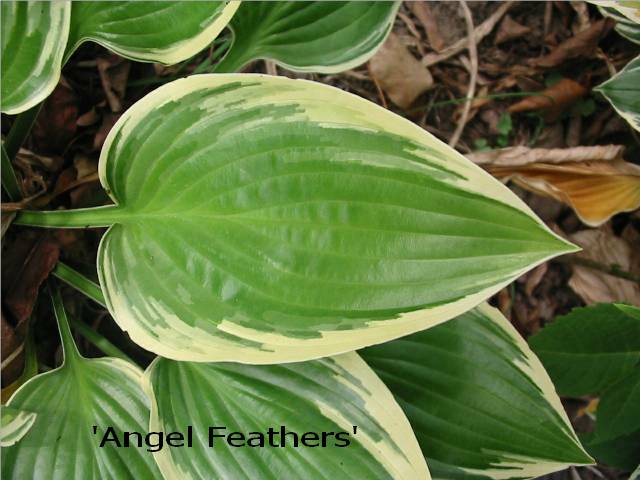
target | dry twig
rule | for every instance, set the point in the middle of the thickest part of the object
(473, 71)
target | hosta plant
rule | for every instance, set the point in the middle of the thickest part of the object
(39, 36)
(261, 219)
(275, 226)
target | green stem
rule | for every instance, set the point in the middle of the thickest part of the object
(81, 283)
(233, 61)
(99, 341)
(69, 347)
(9, 180)
(77, 218)
(20, 130)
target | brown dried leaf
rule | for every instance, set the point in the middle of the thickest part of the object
(553, 100)
(114, 72)
(108, 121)
(593, 286)
(25, 278)
(581, 44)
(509, 29)
(56, 123)
(518, 156)
(595, 190)
(12, 349)
(399, 74)
(427, 17)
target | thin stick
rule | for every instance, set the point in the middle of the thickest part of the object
(479, 33)
(473, 53)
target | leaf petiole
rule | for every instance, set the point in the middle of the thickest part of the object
(77, 218)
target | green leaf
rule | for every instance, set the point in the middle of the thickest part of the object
(38, 38)
(590, 348)
(328, 395)
(319, 36)
(15, 424)
(622, 452)
(165, 32)
(34, 35)
(68, 401)
(619, 408)
(478, 399)
(262, 219)
(623, 92)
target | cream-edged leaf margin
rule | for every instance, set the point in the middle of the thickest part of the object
(15, 425)
(174, 54)
(279, 348)
(378, 402)
(532, 368)
(53, 52)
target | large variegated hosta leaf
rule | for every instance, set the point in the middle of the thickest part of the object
(479, 401)
(623, 92)
(38, 37)
(262, 219)
(34, 35)
(161, 31)
(316, 36)
(68, 401)
(327, 395)
(15, 424)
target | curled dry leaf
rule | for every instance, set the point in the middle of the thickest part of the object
(402, 77)
(553, 100)
(604, 247)
(520, 155)
(596, 190)
(509, 29)
(582, 44)
(429, 20)
(29, 264)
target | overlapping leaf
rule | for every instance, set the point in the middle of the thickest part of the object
(165, 32)
(34, 35)
(68, 401)
(315, 36)
(590, 348)
(261, 219)
(331, 395)
(623, 92)
(479, 401)
(15, 424)
(38, 37)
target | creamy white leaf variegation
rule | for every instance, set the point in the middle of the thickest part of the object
(478, 399)
(34, 35)
(311, 407)
(15, 424)
(66, 403)
(261, 219)
(623, 92)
